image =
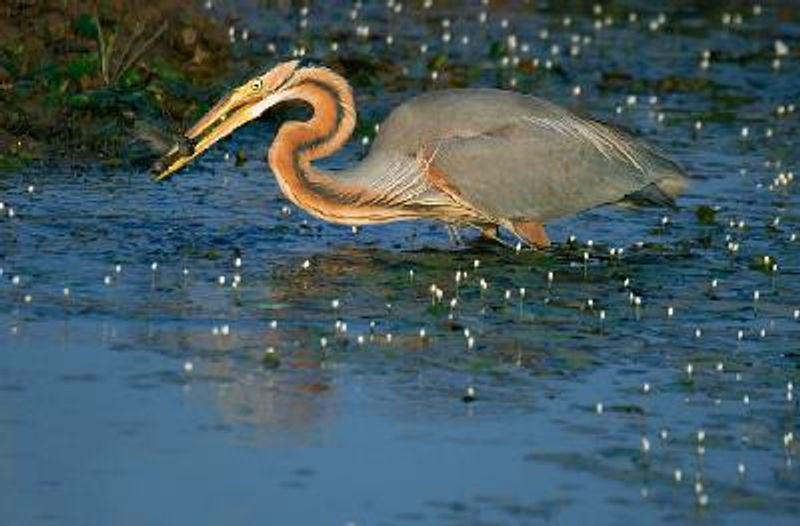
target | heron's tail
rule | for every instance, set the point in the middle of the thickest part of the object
(669, 181)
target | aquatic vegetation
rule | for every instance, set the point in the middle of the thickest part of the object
(77, 76)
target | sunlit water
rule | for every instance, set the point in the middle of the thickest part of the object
(142, 381)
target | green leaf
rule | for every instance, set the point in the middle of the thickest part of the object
(85, 26)
(84, 65)
(705, 215)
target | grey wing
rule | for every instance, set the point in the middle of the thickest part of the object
(542, 168)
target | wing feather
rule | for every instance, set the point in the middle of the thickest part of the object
(511, 155)
(544, 167)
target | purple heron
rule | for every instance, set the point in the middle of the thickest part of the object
(473, 157)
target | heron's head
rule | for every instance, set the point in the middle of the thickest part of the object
(237, 107)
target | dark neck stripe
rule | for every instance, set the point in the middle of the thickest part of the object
(330, 134)
(315, 142)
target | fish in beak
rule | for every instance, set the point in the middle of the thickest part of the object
(243, 104)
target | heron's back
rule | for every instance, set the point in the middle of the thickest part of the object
(515, 155)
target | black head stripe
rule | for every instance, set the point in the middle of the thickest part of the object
(288, 78)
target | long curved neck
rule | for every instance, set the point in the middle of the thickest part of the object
(299, 143)
(330, 126)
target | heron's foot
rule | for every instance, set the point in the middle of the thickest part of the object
(532, 233)
(454, 235)
(489, 231)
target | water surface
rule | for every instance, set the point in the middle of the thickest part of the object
(325, 384)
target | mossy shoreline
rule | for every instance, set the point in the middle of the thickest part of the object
(101, 79)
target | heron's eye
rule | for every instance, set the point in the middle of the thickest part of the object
(257, 85)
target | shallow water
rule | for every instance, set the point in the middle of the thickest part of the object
(144, 395)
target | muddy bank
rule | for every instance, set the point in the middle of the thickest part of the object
(99, 78)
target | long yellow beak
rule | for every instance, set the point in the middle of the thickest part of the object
(220, 121)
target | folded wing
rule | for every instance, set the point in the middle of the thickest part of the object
(544, 167)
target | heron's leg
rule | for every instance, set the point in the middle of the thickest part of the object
(490, 232)
(531, 232)
(454, 234)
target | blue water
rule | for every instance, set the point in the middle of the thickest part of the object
(143, 395)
